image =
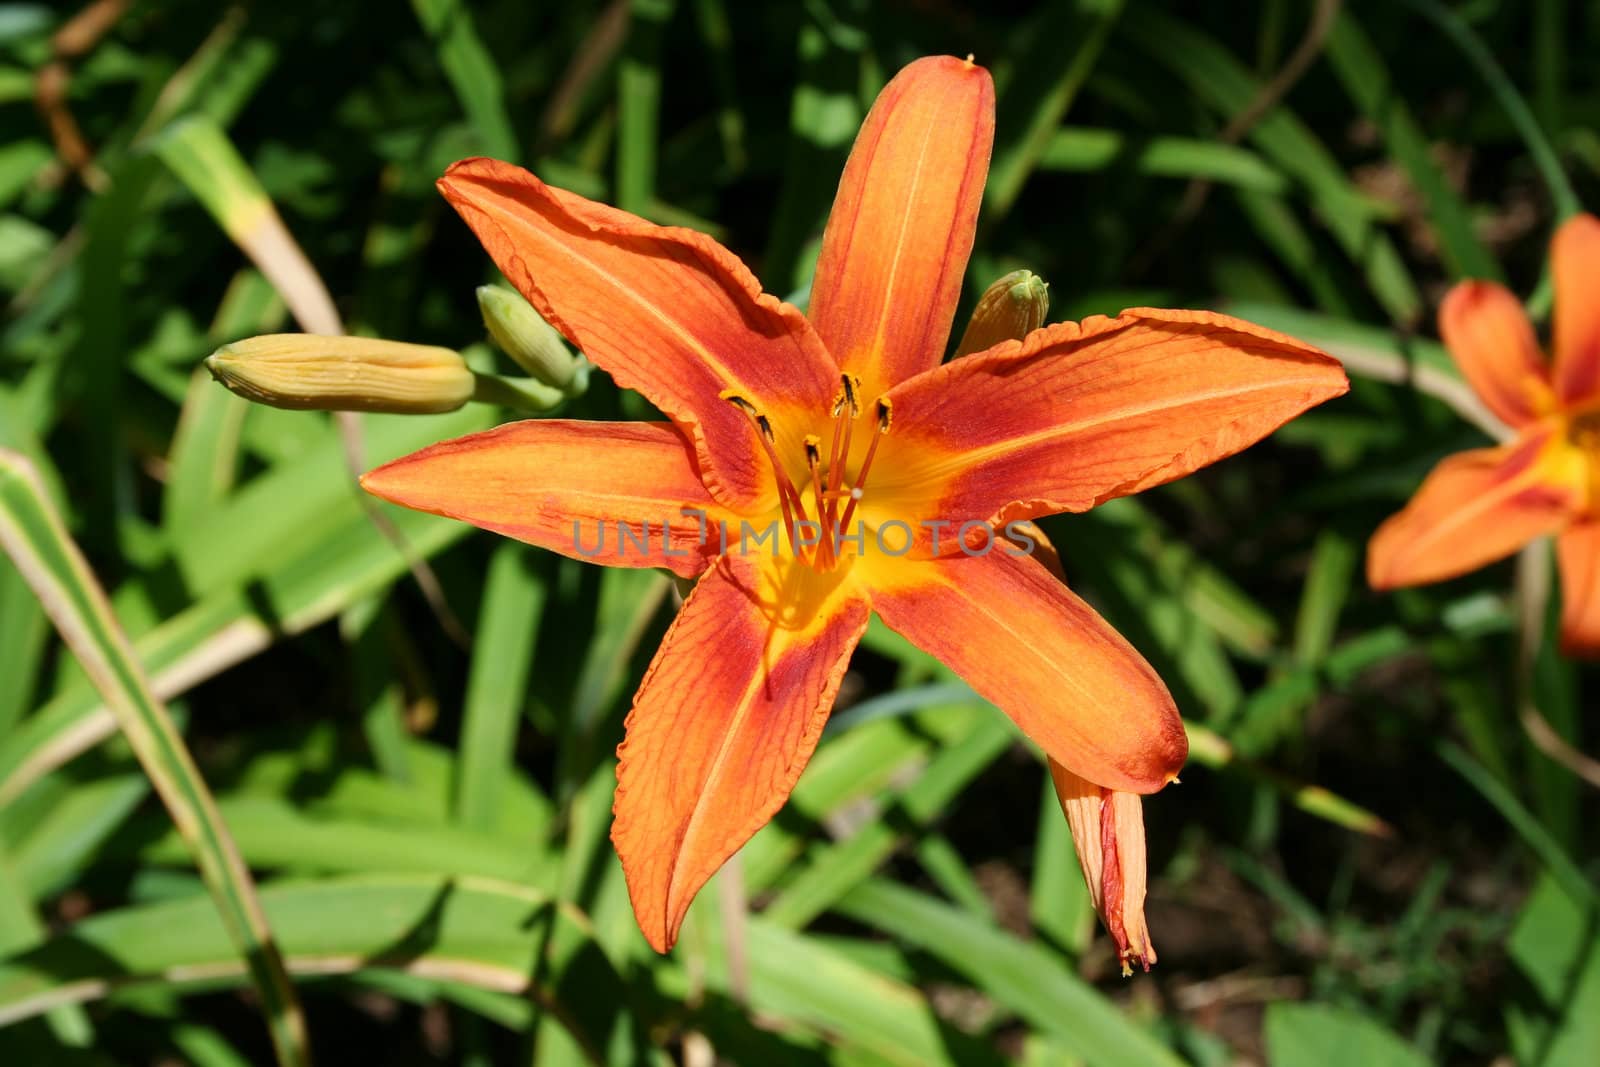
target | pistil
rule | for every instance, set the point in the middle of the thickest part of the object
(813, 446)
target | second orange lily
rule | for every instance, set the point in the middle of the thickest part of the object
(1480, 506)
(781, 420)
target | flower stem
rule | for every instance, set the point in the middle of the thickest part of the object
(523, 394)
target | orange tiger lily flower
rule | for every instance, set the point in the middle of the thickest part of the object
(844, 421)
(1480, 506)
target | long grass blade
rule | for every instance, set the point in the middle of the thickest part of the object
(502, 658)
(1533, 833)
(1366, 78)
(472, 73)
(33, 534)
(1217, 77)
(206, 162)
(1374, 353)
(1086, 149)
(639, 104)
(1040, 89)
(1510, 100)
(220, 631)
(474, 931)
(1024, 977)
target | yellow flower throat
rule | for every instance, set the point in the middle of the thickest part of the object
(833, 503)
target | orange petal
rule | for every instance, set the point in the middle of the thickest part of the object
(666, 311)
(1578, 549)
(1476, 507)
(725, 721)
(1034, 649)
(1108, 833)
(1029, 537)
(1076, 414)
(901, 230)
(1493, 343)
(570, 487)
(1575, 263)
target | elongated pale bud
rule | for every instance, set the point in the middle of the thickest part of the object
(1108, 830)
(304, 371)
(1008, 310)
(531, 342)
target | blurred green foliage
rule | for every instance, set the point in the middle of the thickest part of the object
(427, 821)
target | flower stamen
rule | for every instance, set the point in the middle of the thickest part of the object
(1584, 430)
(789, 499)
(845, 411)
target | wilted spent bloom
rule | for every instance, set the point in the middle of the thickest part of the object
(1010, 309)
(1108, 829)
(532, 343)
(309, 372)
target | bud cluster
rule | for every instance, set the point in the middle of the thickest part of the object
(303, 371)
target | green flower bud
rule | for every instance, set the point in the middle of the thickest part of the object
(530, 341)
(1008, 310)
(303, 371)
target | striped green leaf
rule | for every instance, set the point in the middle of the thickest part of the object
(33, 534)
